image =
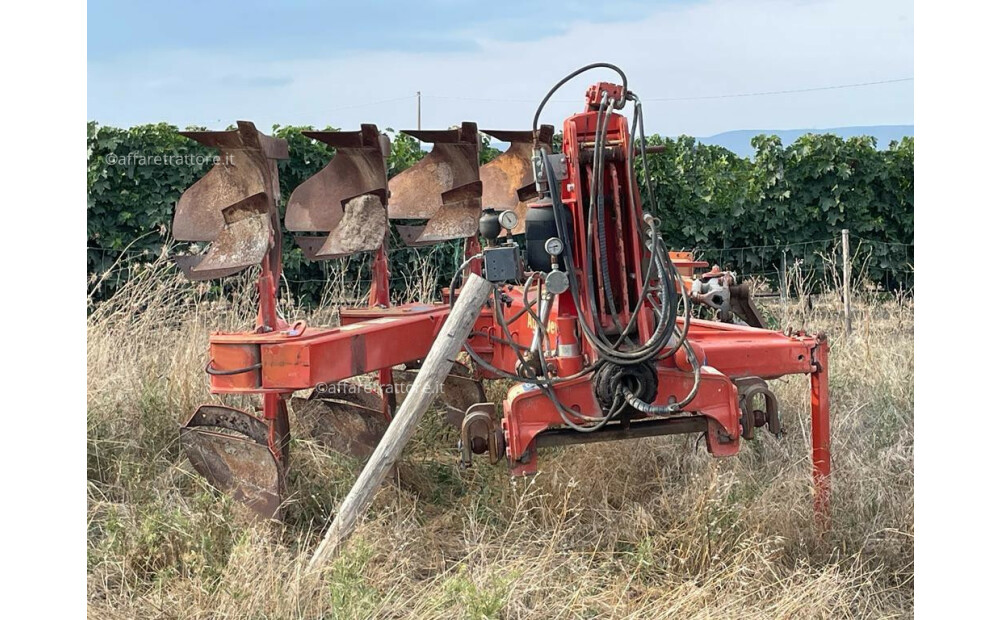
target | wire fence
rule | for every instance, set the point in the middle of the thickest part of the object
(792, 268)
(884, 264)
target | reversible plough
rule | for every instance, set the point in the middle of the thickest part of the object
(590, 315)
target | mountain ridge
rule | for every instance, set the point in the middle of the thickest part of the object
(738, 140)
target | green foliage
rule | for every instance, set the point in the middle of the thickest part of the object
(130, 202)
(487, 152)
(484, 597)
(350, 594)
(793, 198)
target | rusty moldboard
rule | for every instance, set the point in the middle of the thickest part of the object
(346, 199)
(509, 180)
(348, 428)
(232, 207)
(443, 188)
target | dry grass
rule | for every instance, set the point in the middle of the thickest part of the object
(648, 529)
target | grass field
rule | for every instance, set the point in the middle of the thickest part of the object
(648, 529)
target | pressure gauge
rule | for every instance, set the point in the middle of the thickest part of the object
(554, 246)
(508, 219)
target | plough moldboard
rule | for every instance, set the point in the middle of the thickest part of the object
(590, 314)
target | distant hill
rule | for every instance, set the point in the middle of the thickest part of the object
(739, 141)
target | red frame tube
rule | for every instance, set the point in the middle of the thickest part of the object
(820, 404)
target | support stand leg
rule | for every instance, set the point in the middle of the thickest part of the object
(378, 297)
(819, 384)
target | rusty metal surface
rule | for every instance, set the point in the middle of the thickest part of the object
(718, 290)
(246, 167)
(346, 428)
(349, 392)
(742, 303)
(458, 392)
(508, 180)
(362, 228)
(198, 216)
(456, 218)
(479, 433)
(346, 199)
(187, 264)
(442, 188)
(229, 448)
(231, 206)
(749, 389)
(243, 240)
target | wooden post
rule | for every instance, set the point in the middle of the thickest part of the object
(783, 280)
(845, 243)
(428, 380)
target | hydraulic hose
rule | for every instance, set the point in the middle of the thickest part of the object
(662, 410)
(662, 297)
(584, 69)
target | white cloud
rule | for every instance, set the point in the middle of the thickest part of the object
(715, 47)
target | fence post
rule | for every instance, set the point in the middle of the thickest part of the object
(845, 243)
(783, 280)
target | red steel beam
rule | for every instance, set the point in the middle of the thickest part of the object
(741, 351)
(284, 362)
(373, 338)
(820, 393)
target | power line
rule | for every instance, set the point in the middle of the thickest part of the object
(693, 98)
(489, 99)
(781, 92)
(365, 105)
(647, 99)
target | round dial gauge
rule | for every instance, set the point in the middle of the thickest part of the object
(508, 219)
(554, 246)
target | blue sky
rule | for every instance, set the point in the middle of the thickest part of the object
(342, 63)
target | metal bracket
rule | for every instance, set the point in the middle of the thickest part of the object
(479, 434)
(749, 388)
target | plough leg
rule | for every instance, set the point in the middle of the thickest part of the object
(819, 383)
(378, 297)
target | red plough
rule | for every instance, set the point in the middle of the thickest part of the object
(591, 315)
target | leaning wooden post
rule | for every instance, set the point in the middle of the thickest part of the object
(428, 380)
(783, 280)
(846, 246)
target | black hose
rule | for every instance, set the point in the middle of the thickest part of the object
(605, 348)
(668, 285)
(584, 69)
(475, 357)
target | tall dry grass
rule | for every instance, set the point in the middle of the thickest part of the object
(647, 529)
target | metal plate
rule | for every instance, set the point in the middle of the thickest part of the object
(459, 391)
(358, 168)
(452, 221)
(442, 188)
(236, 461)
(508, 180)
(245, 238)
(246, 166)
(742, 304)
(233, 204)
(187, 264)
(347, 428)
(349, 392)
(362, 229)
